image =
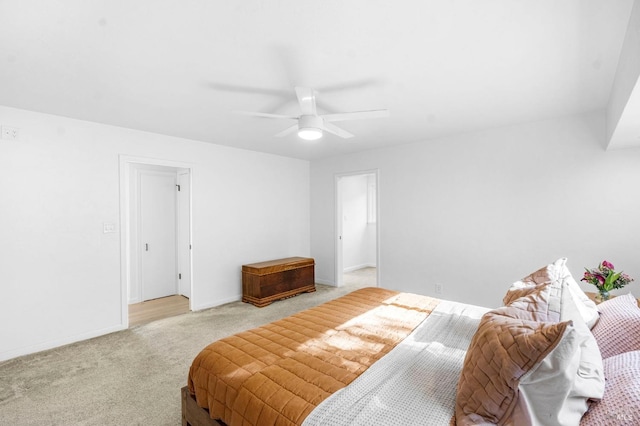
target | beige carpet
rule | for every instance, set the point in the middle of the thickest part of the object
(132, 377)
(365, 277)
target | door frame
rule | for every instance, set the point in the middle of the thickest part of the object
(184, 229)
(126, 171)
(338, 262)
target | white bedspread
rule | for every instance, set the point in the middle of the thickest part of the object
(415, 383)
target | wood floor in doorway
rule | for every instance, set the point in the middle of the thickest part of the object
(152, 310)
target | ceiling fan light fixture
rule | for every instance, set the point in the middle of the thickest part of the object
(310, 127)
(310, 133)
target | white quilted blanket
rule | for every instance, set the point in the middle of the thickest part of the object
(415, 383)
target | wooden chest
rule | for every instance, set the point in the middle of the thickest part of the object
(265, 282)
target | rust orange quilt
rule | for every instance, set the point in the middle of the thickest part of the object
(278, 373)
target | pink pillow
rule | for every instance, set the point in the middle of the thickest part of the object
(618, 329)
(621, 402)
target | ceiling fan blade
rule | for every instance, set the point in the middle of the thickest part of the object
(332, 128)
(265, 115)
(307, 100)
(287, 131)
(357, 115)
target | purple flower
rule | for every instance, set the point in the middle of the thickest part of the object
(605, 278)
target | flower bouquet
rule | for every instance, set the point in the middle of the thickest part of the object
(605, 278)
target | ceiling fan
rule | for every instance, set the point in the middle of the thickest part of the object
(309, 124)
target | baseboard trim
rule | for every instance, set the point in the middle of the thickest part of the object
(217, 303)
(357, 267)
(31, 349)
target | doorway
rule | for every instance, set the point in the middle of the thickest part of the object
(357, 229)
(156, 238)
(156, 222)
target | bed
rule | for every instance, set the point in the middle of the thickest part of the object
(377, 356)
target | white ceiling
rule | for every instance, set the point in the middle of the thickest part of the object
(180, 67)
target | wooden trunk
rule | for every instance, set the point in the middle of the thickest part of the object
(265, 282)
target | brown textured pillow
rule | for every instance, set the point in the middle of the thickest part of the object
(555, 273)
(501, 352)
(539, 303)
(552, 391)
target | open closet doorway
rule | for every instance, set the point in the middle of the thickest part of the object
(157, 239)
(357, 229)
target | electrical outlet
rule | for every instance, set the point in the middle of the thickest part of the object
(10, 133)
(108, 228)
(438, 288)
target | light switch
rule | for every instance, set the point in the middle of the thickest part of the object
(10, 133)
(108, 228)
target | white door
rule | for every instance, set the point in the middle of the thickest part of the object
(158, 234)
(184, 242)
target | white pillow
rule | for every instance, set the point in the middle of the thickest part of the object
(586, 307)
(556, 392)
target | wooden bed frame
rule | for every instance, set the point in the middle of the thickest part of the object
(192, 414)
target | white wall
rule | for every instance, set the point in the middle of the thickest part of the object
(358, 236)
(627, 73)
(478, 211)
(60, 183)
